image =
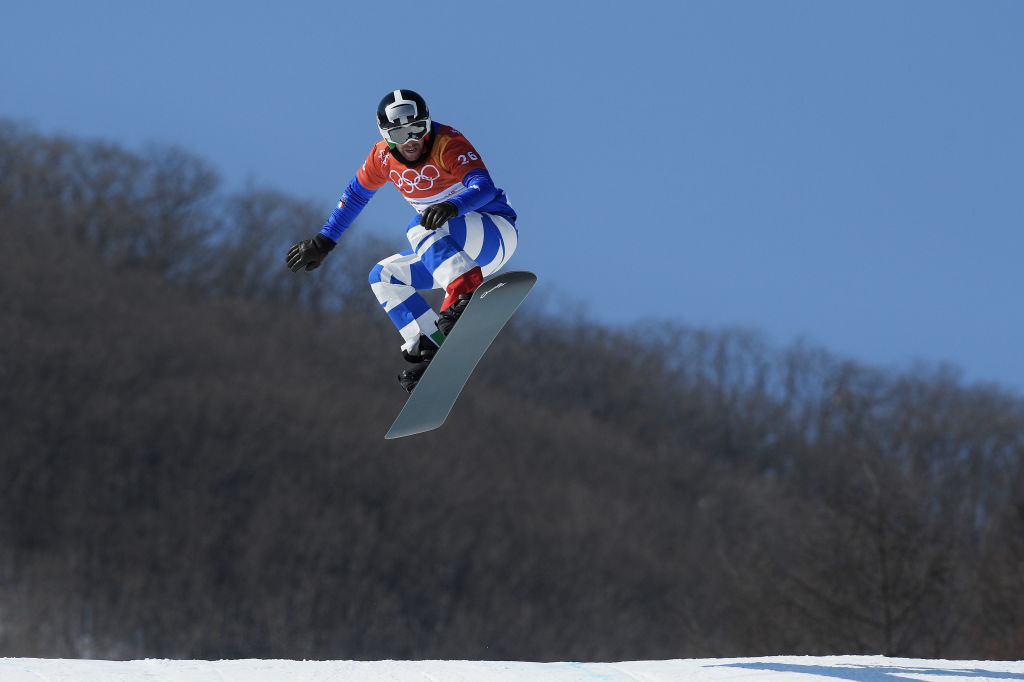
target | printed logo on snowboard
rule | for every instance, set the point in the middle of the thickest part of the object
(496, 286)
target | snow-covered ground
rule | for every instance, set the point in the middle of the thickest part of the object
(771, 669)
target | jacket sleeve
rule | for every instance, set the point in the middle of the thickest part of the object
(480, 191)
(353, 201)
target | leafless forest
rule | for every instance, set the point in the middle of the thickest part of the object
(192, 460)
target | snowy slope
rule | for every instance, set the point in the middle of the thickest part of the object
(771, 669)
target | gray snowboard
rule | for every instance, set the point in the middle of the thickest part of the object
(492, 305)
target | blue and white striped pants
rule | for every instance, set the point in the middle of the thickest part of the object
(436, 259)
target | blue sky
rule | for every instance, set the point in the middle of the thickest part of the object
(847, 173)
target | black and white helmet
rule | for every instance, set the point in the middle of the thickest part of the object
(403, 115)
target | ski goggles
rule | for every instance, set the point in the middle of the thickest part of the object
(410, 131)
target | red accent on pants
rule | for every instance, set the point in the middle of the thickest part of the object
(463, 284)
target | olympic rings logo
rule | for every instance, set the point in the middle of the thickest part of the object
(412, 180)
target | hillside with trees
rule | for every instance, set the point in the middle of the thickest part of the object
(192, 462)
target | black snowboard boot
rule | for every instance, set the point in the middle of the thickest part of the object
(450, 315)
(421, 355)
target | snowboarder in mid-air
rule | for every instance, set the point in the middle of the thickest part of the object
(463, 230)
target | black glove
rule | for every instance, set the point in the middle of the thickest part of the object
(437, 215)
(309, 253)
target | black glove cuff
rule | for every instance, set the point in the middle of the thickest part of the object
(323, 243)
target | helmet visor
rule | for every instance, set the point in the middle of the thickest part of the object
(402, 134)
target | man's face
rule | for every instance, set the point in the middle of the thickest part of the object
(411, 150)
